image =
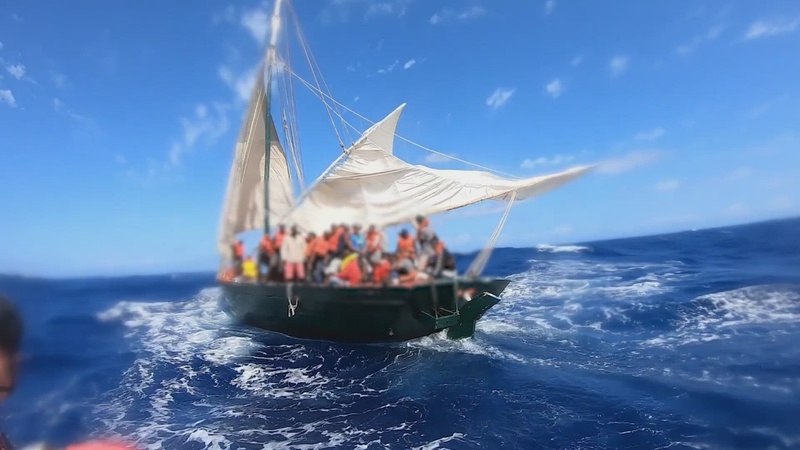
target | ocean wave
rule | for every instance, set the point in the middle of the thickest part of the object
(547, 248)
(754, 310)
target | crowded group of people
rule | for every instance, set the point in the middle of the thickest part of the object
(344, 256)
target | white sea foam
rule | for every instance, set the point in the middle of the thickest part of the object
(433, 445)
(561, 248)
(754, 309)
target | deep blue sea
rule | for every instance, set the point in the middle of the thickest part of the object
(686, 340)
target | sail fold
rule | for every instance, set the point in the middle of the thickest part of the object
(372, 186)
(244, 205)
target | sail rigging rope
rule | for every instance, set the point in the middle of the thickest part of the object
(312, 66)
(321, 94)
(292, 128)
(307, 49)
(477, 266)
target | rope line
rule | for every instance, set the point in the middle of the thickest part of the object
(319, 94)
(477, 266)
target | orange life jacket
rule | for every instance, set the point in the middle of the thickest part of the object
(406, 245)
(333, 241)
(266, 245)
(238, 250)
(320, 246)
(279, 239)
(382, 272)
(351, 272)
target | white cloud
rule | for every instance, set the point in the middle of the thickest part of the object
(618, 65)
(740, 174)
(650, 135)
(121, 160)
(549, 7)
(576, 61)
(59, 79)
(1, 45)
(242, 84)
(542, 161)
(226, 15)
(435, 158)
(668, 185)
(689, 48)
(390, 68)
(629, 162)
(207, 125)
(410, 63)
(60, 106)
(447, 14)
(715, 32)
(256, 22)
(499, 97)
(738, 209)
(554, 88)
(356, 99)
(765, 28)
(385, 9)
(8, 98)
(16, 70)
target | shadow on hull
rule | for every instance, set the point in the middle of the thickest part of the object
(364, 314)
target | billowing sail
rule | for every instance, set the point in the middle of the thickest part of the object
(372, 186)
(244, 207)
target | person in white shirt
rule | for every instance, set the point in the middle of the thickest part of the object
(293, 253)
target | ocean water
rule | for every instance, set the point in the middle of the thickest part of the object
(686, 340)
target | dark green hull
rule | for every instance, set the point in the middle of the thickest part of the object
(364, 314)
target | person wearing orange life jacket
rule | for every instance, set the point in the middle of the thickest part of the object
(375, 245)
(405, 246)
(350, 272)
(277, 244)
(316, 254)
(266, 257)
(382, 272)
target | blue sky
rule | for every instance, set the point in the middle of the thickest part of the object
(117, 119)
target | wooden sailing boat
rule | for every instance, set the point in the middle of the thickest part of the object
(366, 184)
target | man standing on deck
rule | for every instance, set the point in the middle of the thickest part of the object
(293, 253)
(425, 237)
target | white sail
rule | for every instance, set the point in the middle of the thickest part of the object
(372, 186)
(244, 206)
